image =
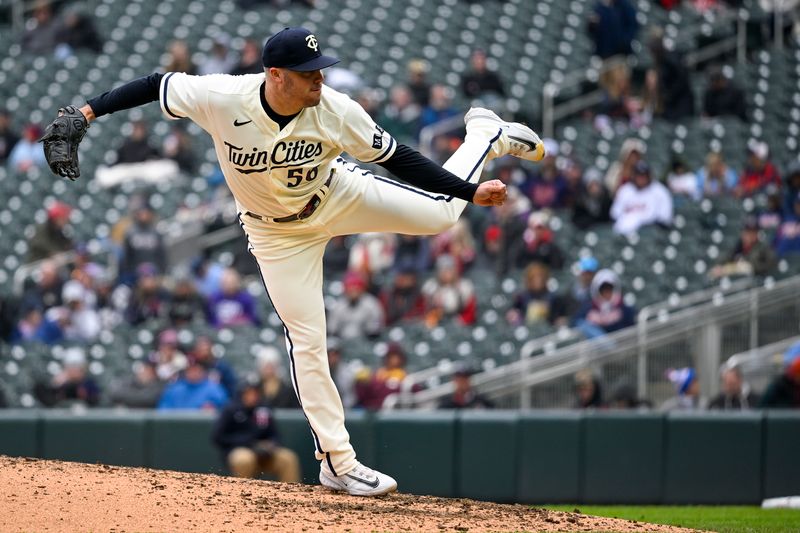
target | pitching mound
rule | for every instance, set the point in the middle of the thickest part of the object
(38, 495)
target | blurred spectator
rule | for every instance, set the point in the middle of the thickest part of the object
(412, 252)
(337, 256)
(588, 392)
(51, 237)
(771, 215)
(625, 397)
(681, 181)
(617, 102)
(136, 148)
(735, 393)
(77, 31)
(274, 389)
(246, 435)
(220, 59)
(759, 172)
(716, 178)
(641, 202)
(179, 58)
(218, 370)
(232, 305)
(71, 385)
(464, 395)
(30, 325)
(8, 138)
(722, 98)
(418, 81)
(372, 253)
(207, 275)
(784, 390)
(149, 298)
(178, 147)
(573, 174)
(592, 203)
(401, 115)
(536, 243)
(787, 240)
(357, 313)
(606, 311)
(46, 292)
(676, 99)
(480, 81)
(547, 188)
(579, 295)
(140, 390)
(185, 306)
(447, 295)
(78, 318)
(343, 375)
(250, 59)
(142, 245)
(503, 235)
(440, 106)
(621, 170)
(751, 256)
(387, 379)
(27, 152)
(687, 388)
(167, 359)
(39, 37)
(193, 390)
(369, 99)
(612, 27)
(457, 242)
(792, 186)
(344, 80)
(403, 300)
(9, 307)
(535, 304)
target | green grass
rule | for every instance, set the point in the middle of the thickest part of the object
(723, 519)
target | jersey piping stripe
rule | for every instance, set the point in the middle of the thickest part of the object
(291, 349)
(385, 152)
(426, 194)
(164, 95)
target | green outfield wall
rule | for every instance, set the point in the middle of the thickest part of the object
(509, 456)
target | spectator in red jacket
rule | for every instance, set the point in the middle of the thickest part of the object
(758, 172)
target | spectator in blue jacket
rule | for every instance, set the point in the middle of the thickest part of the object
(612, 27)
(606, 312)
(193, 390)
(787, 240)
(218, 370)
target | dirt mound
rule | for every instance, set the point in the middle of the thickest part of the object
(55, 496)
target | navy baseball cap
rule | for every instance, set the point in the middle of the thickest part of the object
(295, 49)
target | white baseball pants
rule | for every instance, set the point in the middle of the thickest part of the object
(289, 257)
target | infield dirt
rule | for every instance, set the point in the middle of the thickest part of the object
(54, 496)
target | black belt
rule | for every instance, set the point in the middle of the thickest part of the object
(304, 213)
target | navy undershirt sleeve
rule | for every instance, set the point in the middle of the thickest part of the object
(413, 167)
(133, 94)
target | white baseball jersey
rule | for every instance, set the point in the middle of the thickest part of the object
(273, 172)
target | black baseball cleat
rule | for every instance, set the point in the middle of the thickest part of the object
(516, 139)
(360, 481)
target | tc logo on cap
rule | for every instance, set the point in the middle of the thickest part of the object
(311, 41)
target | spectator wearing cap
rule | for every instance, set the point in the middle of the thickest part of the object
(249, 59)
(606, 311)
(735, 394)
(641, 202)
(578, 294)
(547, 188)
(722, 98)
(137, 147)
(464, 395)
(167, 358)
(193, 390)
(621, 170)
(8, 137)
(612, 27)
(592, 204)
(220, 59)
(232, 305)
(784, 390)
(716, 178)
(139, 390)
(79, 320)
(185, 306)
(448, 295)
(624, 397)
(342, 373)
(759, 172)
(218, 370)
(403, 300)
(71, 386)
(536, 244)
(588, 391)
(246, 434)
(149, 298)
(142, 244)
(751, 255)
(687, 389)
(51, 236)
(480, 81)
(276, 391)
(356, 313)
(787, 239)
(536, 304)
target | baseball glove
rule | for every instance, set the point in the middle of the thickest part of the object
(61, 140)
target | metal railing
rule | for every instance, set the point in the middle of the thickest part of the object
(701, 331)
